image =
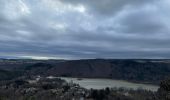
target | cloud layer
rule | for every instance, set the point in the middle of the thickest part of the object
(74, 29)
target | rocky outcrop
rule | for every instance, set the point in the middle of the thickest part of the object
(164, 90)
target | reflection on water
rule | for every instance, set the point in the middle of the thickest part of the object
(89, 83)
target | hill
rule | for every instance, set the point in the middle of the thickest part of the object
(148, 71)
(8, 75)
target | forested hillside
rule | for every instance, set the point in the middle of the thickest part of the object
(149, 71)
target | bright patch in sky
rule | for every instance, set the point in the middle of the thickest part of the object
(15, 9)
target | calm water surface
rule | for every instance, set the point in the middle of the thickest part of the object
(89, 83)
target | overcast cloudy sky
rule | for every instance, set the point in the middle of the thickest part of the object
(74, 29)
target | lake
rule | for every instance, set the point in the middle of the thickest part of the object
(89, 83)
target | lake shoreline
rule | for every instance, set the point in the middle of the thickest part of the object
(132, 81)
(100, 83)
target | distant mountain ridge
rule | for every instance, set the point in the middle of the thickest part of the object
(151, 71)
(137, 70)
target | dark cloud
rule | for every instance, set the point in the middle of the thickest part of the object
(76, 29)
(146, 21)
(108, 6)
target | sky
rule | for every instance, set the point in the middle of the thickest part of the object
(82, 29)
